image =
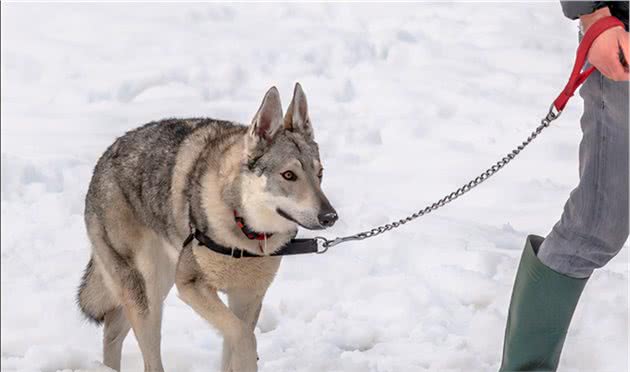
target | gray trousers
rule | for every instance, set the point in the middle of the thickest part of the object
(594, 224)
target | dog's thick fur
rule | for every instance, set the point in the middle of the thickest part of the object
(156, 181)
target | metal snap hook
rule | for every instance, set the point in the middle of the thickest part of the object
(325, 244)
(553, 113)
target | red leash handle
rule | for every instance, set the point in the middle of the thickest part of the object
(577, 75)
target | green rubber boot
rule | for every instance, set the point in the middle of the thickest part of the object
(541, 308)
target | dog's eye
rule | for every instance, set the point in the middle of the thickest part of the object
(289, 176)
(321, 173)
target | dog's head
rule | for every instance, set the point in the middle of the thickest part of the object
(282, 173)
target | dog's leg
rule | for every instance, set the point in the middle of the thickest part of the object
(136, 268)
(194, 290)
(159, 274)
(142, 308)
(246, 305)
(147, 328)
(206, 302)
(116, 328)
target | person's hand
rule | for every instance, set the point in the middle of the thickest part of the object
(609, 52)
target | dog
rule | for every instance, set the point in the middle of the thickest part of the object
(245, 187)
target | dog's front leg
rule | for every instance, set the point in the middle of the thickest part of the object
(205, 301)
(240, 357)
(238, 336)
(246, 305)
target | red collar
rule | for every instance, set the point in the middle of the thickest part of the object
(249, 233)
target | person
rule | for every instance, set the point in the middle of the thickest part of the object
(594, 225)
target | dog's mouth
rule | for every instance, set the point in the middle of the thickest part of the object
(290, 218)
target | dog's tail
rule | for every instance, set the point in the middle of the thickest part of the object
(93, 298)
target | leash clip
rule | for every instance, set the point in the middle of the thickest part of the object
(331, 243)
(325, 244)
(553, 113)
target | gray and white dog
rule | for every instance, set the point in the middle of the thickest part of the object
(155, 182)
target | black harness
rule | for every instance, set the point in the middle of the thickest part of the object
(295, 246)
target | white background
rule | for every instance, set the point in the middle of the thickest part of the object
(409, 101)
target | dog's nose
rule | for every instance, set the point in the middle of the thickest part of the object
(327, 219)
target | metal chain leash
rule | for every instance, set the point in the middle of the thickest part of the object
(544, 123)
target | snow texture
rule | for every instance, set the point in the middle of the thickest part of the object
(409, 101)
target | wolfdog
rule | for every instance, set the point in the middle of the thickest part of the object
(244, 187)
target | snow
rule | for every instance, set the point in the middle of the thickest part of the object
(409, 101)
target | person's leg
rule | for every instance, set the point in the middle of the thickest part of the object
(594, 224)
(540, 312)
(593, 228)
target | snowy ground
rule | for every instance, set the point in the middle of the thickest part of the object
(409, 101)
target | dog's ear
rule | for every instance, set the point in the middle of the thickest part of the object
(267, 120)
(296, 118)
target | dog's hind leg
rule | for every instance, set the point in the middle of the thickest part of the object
(158, 272)
(115, 330)
(137, 272)
(99, 304)
(147, 328)
(139, 304)
(144, 313)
